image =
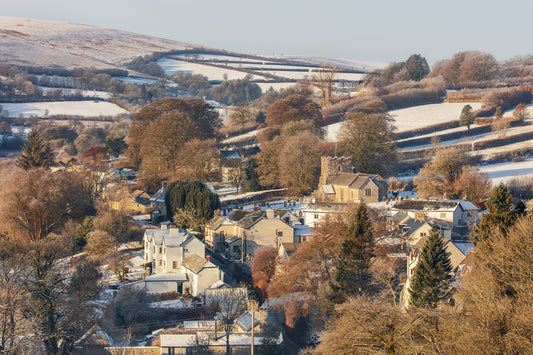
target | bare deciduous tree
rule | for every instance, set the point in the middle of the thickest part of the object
(323, 80)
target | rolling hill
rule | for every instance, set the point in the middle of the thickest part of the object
(33, 42)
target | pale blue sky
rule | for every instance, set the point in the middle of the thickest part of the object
(376, 30)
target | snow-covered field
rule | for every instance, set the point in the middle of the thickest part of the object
(87, 93)
(171, 67)
(276, 86)
(490, 152)
(415, 117)
(504, 172)
(426, 115)
(242, 136)
(479, 138)
(77, 108)
(303, 75)
(218, 57)
(340, 62)
(136, 80)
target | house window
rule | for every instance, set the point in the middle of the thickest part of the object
(154, 248)
(160, 250)
(368, 192)
(316, 216)
(280, 234)
(297, 239)
(160, 263)
(174, 264)
(422, 234)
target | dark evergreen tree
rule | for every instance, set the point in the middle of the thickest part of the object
(467, 117)
(417, 67)
(432, 273)
(36, 153)
(192, 198)
(252, 178)
(500, 215)
(357, 251)
(115, 146)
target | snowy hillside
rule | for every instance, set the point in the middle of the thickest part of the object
(50, 43)
(45, 43)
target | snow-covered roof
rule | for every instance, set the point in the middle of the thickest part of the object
(466, 205)
(170, 236)
(232, 239)
(199, 324)
(303, 230)
(245, 320)
(166, 277)
(229, 153)
(94, 336)
(328, 189)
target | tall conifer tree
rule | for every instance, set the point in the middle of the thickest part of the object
(36, 153)
(432, 273)
(500, 215)
(354, 260)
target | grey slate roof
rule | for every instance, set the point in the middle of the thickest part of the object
(159, 196)
(215, 222)
(344, 179)
(245, 320)
(251, 219)
(338, 207)
(195, 263)
(237, 214)
(171, 236)
(425, 205)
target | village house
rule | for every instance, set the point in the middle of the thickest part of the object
(411, 230)
(178, 261)
(166, 248)
(137, 202)
(121, 174)
(253, 230)
(159, 208)
(339, 183)
(455, 214)
(201, 273)
(316, 213)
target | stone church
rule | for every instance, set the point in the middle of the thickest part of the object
(339, 183)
